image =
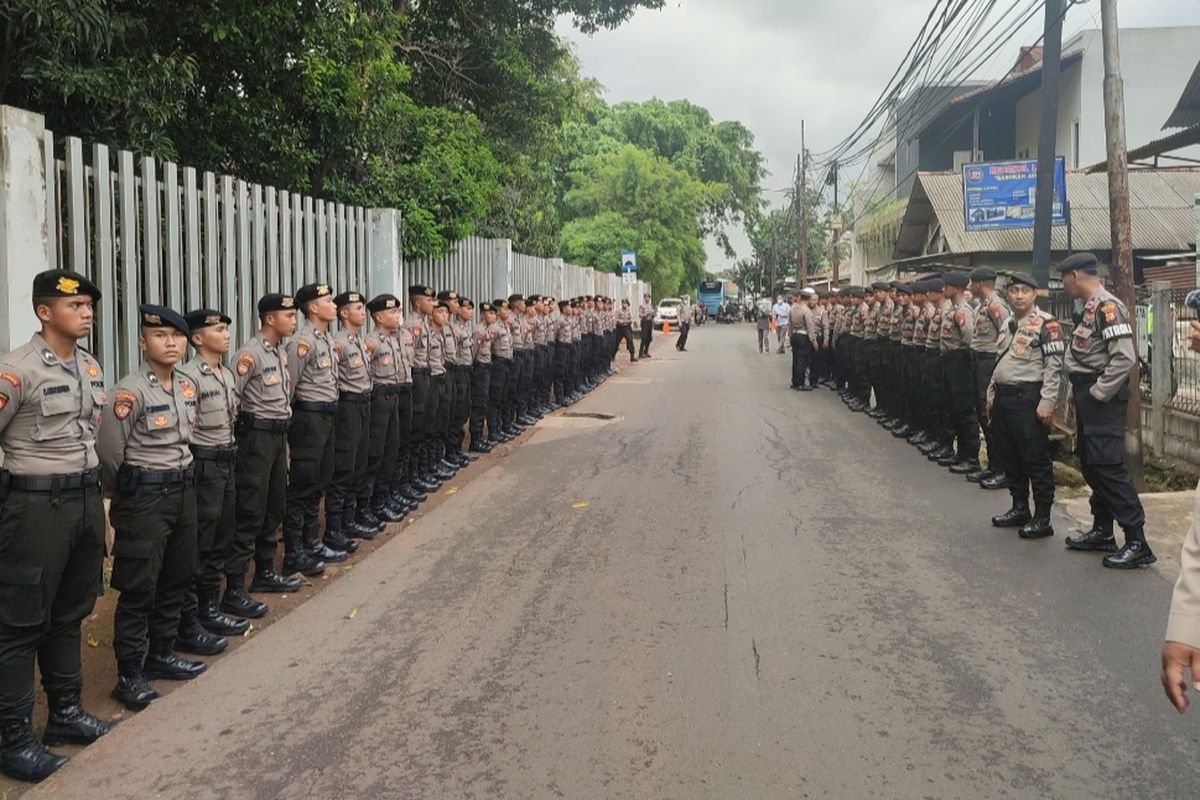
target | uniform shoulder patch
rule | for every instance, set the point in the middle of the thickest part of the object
(10, 378)
(123, 403)
(371, 346)
(187, 389)
(1110, 312)
(302, 349)
(960, 318)
(996, 311)
(245, 363)
(3, 401)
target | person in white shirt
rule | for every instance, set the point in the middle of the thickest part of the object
(781, 311)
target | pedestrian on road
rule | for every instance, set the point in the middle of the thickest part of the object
(781, 311)
(685, 324)
(624, 321)
(764, 331)
(646, 315)
(52, 525)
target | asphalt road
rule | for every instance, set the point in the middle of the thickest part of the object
(766, 596)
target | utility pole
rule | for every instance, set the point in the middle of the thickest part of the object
(774, 261)
(1043, 211)
(802, 199)
(836, 226)
(1118, 207)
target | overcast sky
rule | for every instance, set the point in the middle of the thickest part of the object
(771, 63)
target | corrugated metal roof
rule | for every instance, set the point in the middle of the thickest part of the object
(1187, 112)
(1160, 214)
(1159, 147)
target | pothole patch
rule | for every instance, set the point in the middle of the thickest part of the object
(588, 415)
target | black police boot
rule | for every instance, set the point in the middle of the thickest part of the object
(965, 466)
(334, 539)
(131, 690)
(480, 446)
(398, 500)
(268, 581)
(300, 560)
(443, 472)
(413, 492)
(997, 481)
(364, 519)
(1015, 517)
(947, 460)
(901, 431)
(527, 420)
(387, 513)
(321, 552)
(163, 664)
(1038, 527)
(980, 475)
(940, 452)
(929, 445)
(210, 616)
(69, 723)
(23, 757)
(917, 438)
(353, 529)
(194, 638)
(1095, 540)
(1136, 553)
(235, 600)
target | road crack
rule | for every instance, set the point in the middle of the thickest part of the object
(757, 658)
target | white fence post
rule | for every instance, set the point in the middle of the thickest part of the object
(501, 268)
(383, 250)
(24, 239)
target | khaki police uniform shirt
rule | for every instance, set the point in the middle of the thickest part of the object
(263, 383)
(624, 316)
(562, 330)
(418, 327)
(800, 320)
(858, 321)
(217, 405)
(991, 320)
(482, 343)
(920, 324)
(147, 426)
(437, 350)
(1102, 344)
(1183, 623)
(958, 325)
(385, 359)
(464, 342)
(871, 321)
(312, 366)
(408, 351)
(883, 329)
(908, 325)
(896, 325)
(1031, 352)
(502, 343)
(933, 330)
(49, 411)
(353, 373)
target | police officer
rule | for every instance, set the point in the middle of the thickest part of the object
(481, 377)
(546, 325)
(502, 372)
(958, 326)
(437, 410)
(1099, 359)
(260, 475)
(991, 321)
(420, 303)
(859, 395)
(346, 518)
(1021, 395)
(202, 624)
(385, 361)
(462, 326)
(148, 469)
(903, 327)
(941, 438)
(685, 325)
(51, 523)
(801, 326)
(920, 334)
(646, 317)
(312, 369)
(624, 319)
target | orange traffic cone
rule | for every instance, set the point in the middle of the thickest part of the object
(666, 327)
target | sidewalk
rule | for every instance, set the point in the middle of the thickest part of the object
(1168, 518)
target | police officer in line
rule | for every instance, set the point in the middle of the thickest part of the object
(345, 518)
(991, 322)
(202, 624)
(518, 383)
(481, 377)
(420, 303)
(646, 317)
(380, 489)
(918, 400)
(1099, 359)
(312, 369)
(502, 372)
(560, 334)
(462, 326)
(533, 323)
(546, 326)
(941, 438)
(144, 450)
(437, 410)
(859, 394)
(1021, 394)
(52, 529)
(801, 326)
(624, 319)
(902, 337)
(958, 326)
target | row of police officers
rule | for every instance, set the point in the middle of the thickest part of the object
(949, 360)
(207, 458)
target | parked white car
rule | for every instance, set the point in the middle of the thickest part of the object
(667, 312)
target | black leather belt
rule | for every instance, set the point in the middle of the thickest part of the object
(1083, 378)
(51, 483)
(262, 424)
(1008, 389)
(315, 407)
(168, 477)
(355, 397)
(420, 370)
(222, 455)
(387, 389)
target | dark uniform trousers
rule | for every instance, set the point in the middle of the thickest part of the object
(51, 552)
(801, 357)
(905, 391)
(1100, 445)
(684, 327)
(574, 376)
(1019, 446)
(562, 366)
(404, 436)
(983, 365)
(420, 403)
(154, 556)
(461, 409)
(647, 332)
(895, 398)
(261, 480)
(383, 446)
(845, 360)
(546, 352)
(437, 415)
(524, 383)
(862, 368)
(216, 514)
(481, 386)
(934, 389)
(960, 390)
(502, 369)
(624, 332)
(310, 472)
(350, 454)
(509, 410)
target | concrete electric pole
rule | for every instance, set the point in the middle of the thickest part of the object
(1043, 211)
(802, 199)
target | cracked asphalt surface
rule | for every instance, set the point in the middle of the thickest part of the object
(766, 596)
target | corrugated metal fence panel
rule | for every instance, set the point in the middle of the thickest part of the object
(150, 232)
(467, 269)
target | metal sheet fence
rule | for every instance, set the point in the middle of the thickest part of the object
(1185, 363)
(154, 232)
(468, 269)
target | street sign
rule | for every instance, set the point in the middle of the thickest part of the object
(628, 278)
(1001, 195)
(628, 262)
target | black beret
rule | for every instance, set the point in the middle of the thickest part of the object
(534, 298)
(275, 302)
(420, 290)
(516, 298)
(903, 288)
(465, 302)
(1083, 262)
(204, 318)
(312, 291)
(500, 303)
(879, 286)
(934, 285)
(442, 304)
(918, 287)
(63, 283)
(346, 298)
(162, 317)
(894, 284)
(486, 307)
(1021, 277)
(982, 274)
(383, 302)
(563, 304)
(548, 299)
(958, 280)
(447, 294)
(855, 291)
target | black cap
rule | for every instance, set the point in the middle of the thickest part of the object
(958, 280)
(934, 285)
(895, 284)
(1021, 277)
(918, 287)
(346, 298)
(312, 291)
(204, 318)
(447, 294)
(563, 304)
(442, 304)
(383, 302)
(162, 317)
(420, 289)
(879, 286)
(533, 298)
(63, 283)
(465, 302)
(516, 298)
(855, 291)
(500, 303)
(1081, 262)
(982, 274)
(486, 307)
(903, 288)
(275, 302)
